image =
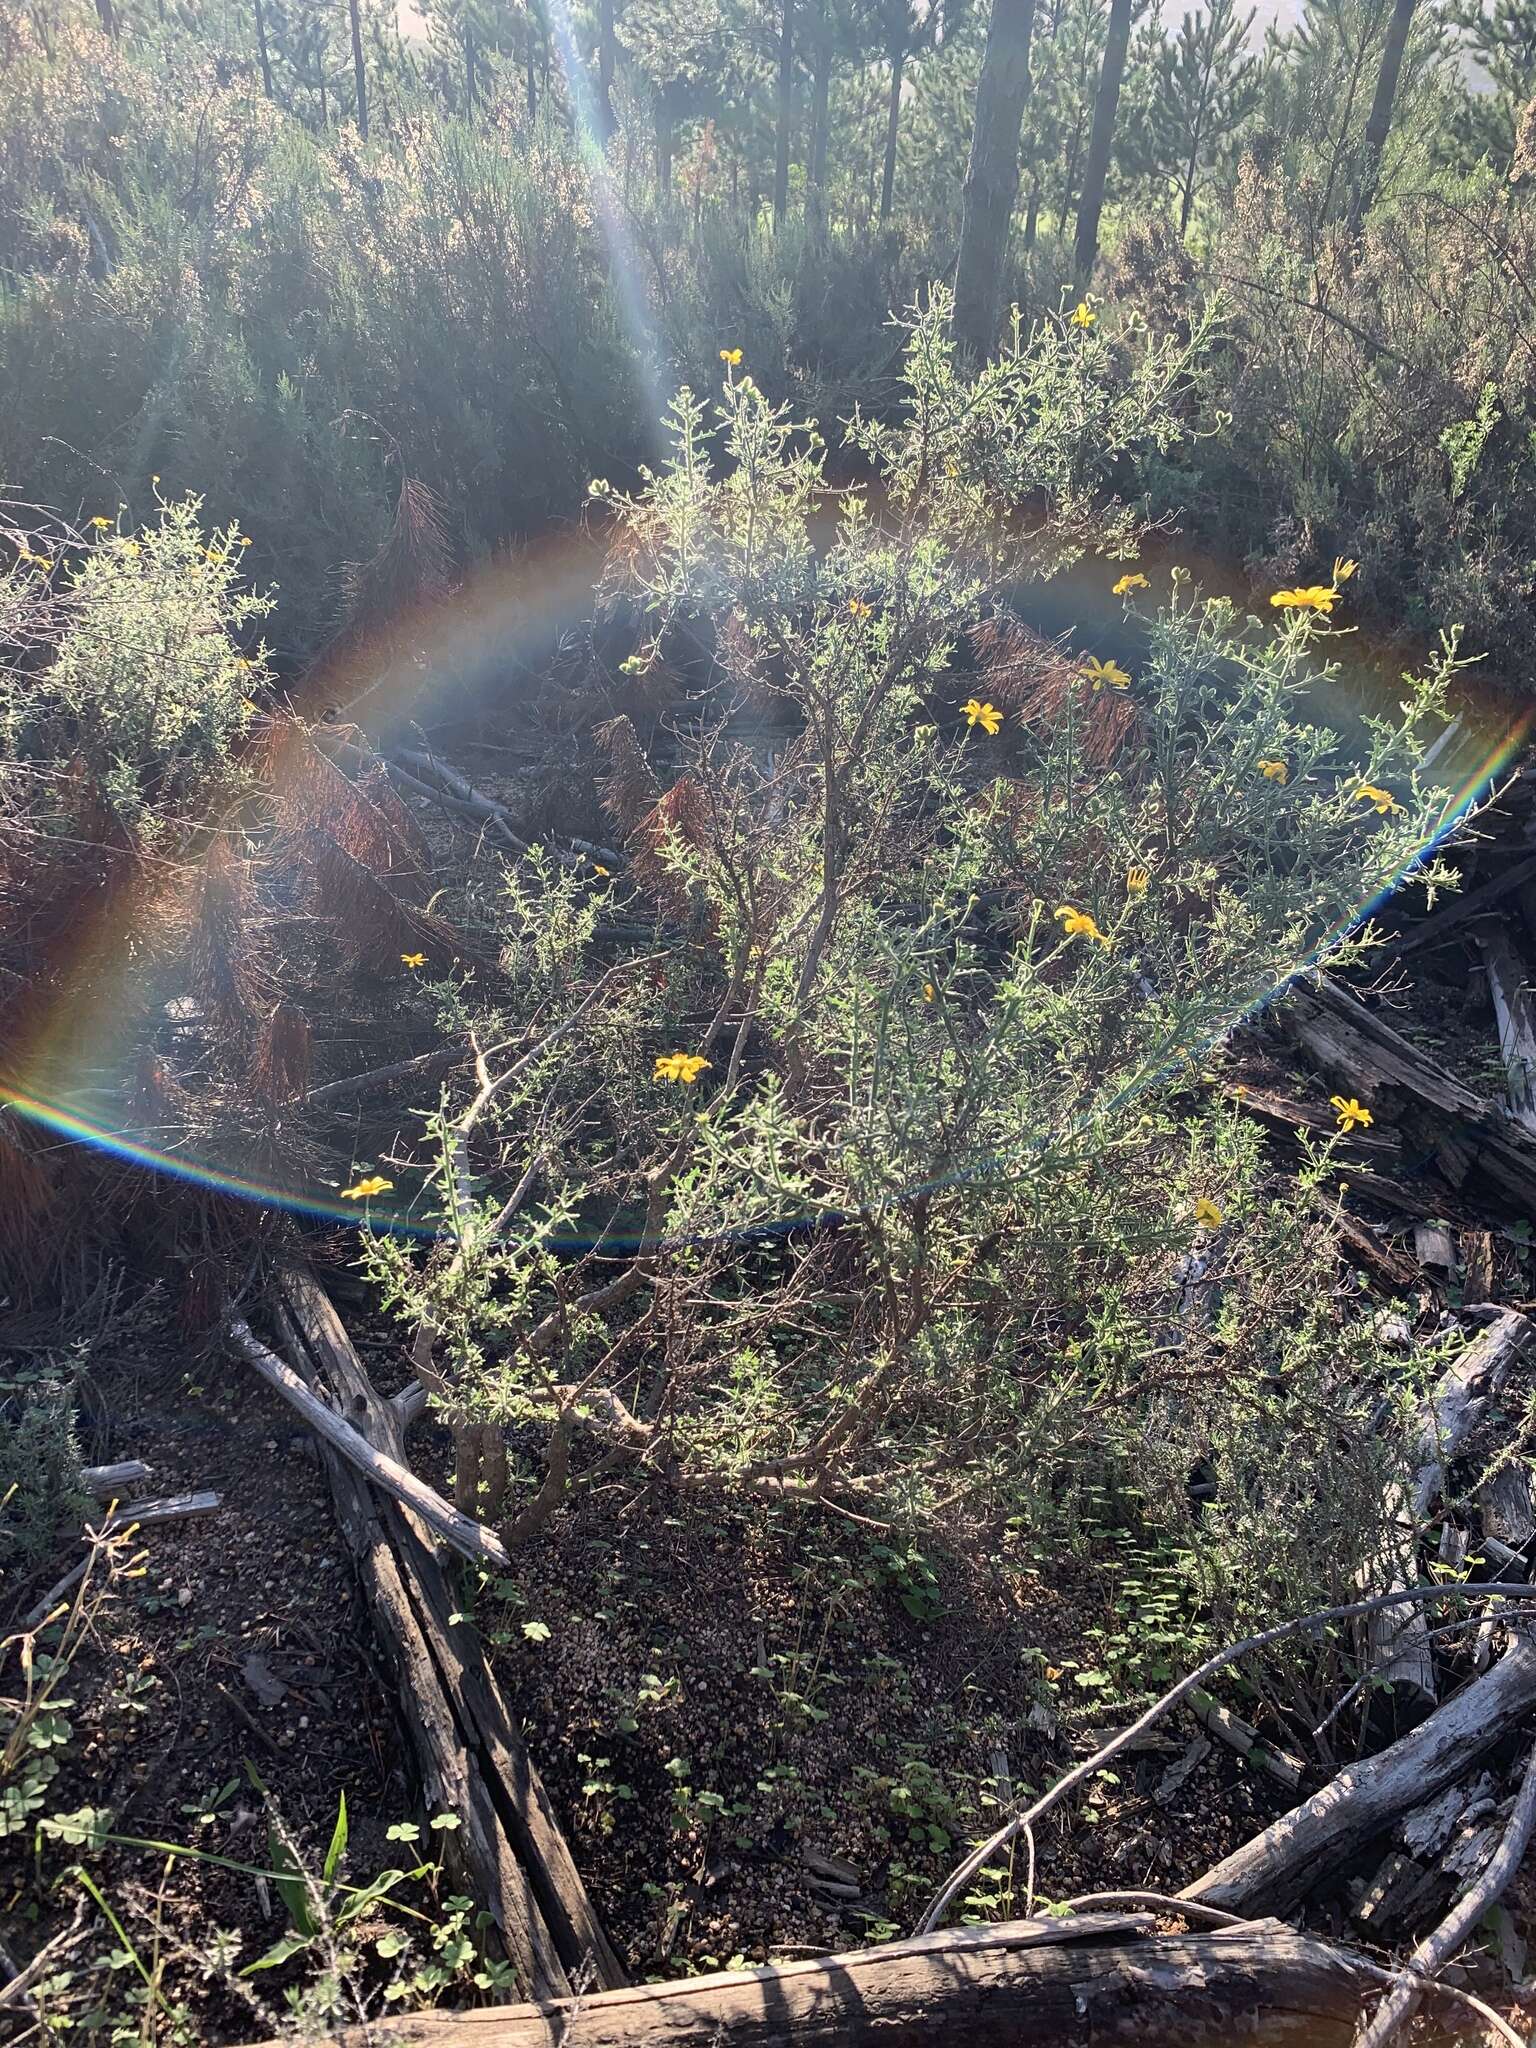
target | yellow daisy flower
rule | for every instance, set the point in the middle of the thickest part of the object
(1350, 1112)
(1101, 672)
(987, 716)
(1079, 924)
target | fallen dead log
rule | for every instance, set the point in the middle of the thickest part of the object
(1327, 1832)
(1437, 1948)
(1041, 1982)
(471, 1757)
(1361, 1051)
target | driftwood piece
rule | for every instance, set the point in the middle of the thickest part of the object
(472, 1757)
(1417, 1876)
(974, 1987)
(1398, 1639)
(1433, 1246)
(1477, 1283)
(1461, 1398)
(1276, 1870)
(460, 1532)
(1504, 1501)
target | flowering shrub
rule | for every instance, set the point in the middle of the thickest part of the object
(147, 686)
(875, 1168)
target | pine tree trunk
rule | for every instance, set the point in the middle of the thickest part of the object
(107, 18)
(1101, 139)
(1379, 126)
(469, 69)
(532, 88)
(821, 95)
(784, 114)
(357, 68)
(262, 52)
(992, 175)
(892, 127)
(1032, 214)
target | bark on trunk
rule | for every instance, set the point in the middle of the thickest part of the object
(821, 95)
(976, 1987)
(358, 73)
(992, 176)
(262, 53)
(892, 130)
(665, 143)
(1379, 125)
(606, 54)
(1101, 139)
(784, 113)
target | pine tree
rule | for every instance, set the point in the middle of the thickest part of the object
(1208, 87)
(1500, 38)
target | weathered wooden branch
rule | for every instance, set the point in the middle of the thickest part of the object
(425, 1066)
(109, 1482)
(1240, 1735)
(1398, 1639)
(1045, 1983)
(1512, 1007)
(472, 1758)
(461, 1533)
(1274, 1871)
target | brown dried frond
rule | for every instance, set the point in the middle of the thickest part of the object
(682, 813)
(316, 791)
(29, 1195)
(222, 968)
(413, 566)
(204, 1291)
(400, 820)
(370, 923)
(629, 790)
(280, 1064)
(1020, 672)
